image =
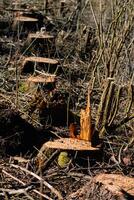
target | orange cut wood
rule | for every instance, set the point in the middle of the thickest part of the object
(85, 122)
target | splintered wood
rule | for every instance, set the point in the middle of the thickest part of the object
(80, 142)
(85, 122)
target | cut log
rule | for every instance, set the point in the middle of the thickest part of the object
(106, 187)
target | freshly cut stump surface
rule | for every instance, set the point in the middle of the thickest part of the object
(70, 144)
(40, 60)
(25, 19)
(42, 79)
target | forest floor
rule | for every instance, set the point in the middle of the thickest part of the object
(35, 113)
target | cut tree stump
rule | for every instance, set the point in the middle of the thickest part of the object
(106, 187)
(42, 79)
(25, 19)
(48, 80)
(43, 43)
(70, 144)
(28, 23)
(64, 144)
(40, 35)
(40, 60)
(28, 64)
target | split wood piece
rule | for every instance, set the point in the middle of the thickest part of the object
(69, 144)
(40, 60)
(40, 35)
(85, 122)
(42, 79)
(106, 187)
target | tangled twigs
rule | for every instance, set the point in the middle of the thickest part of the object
(40, 179)
(21, 182)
